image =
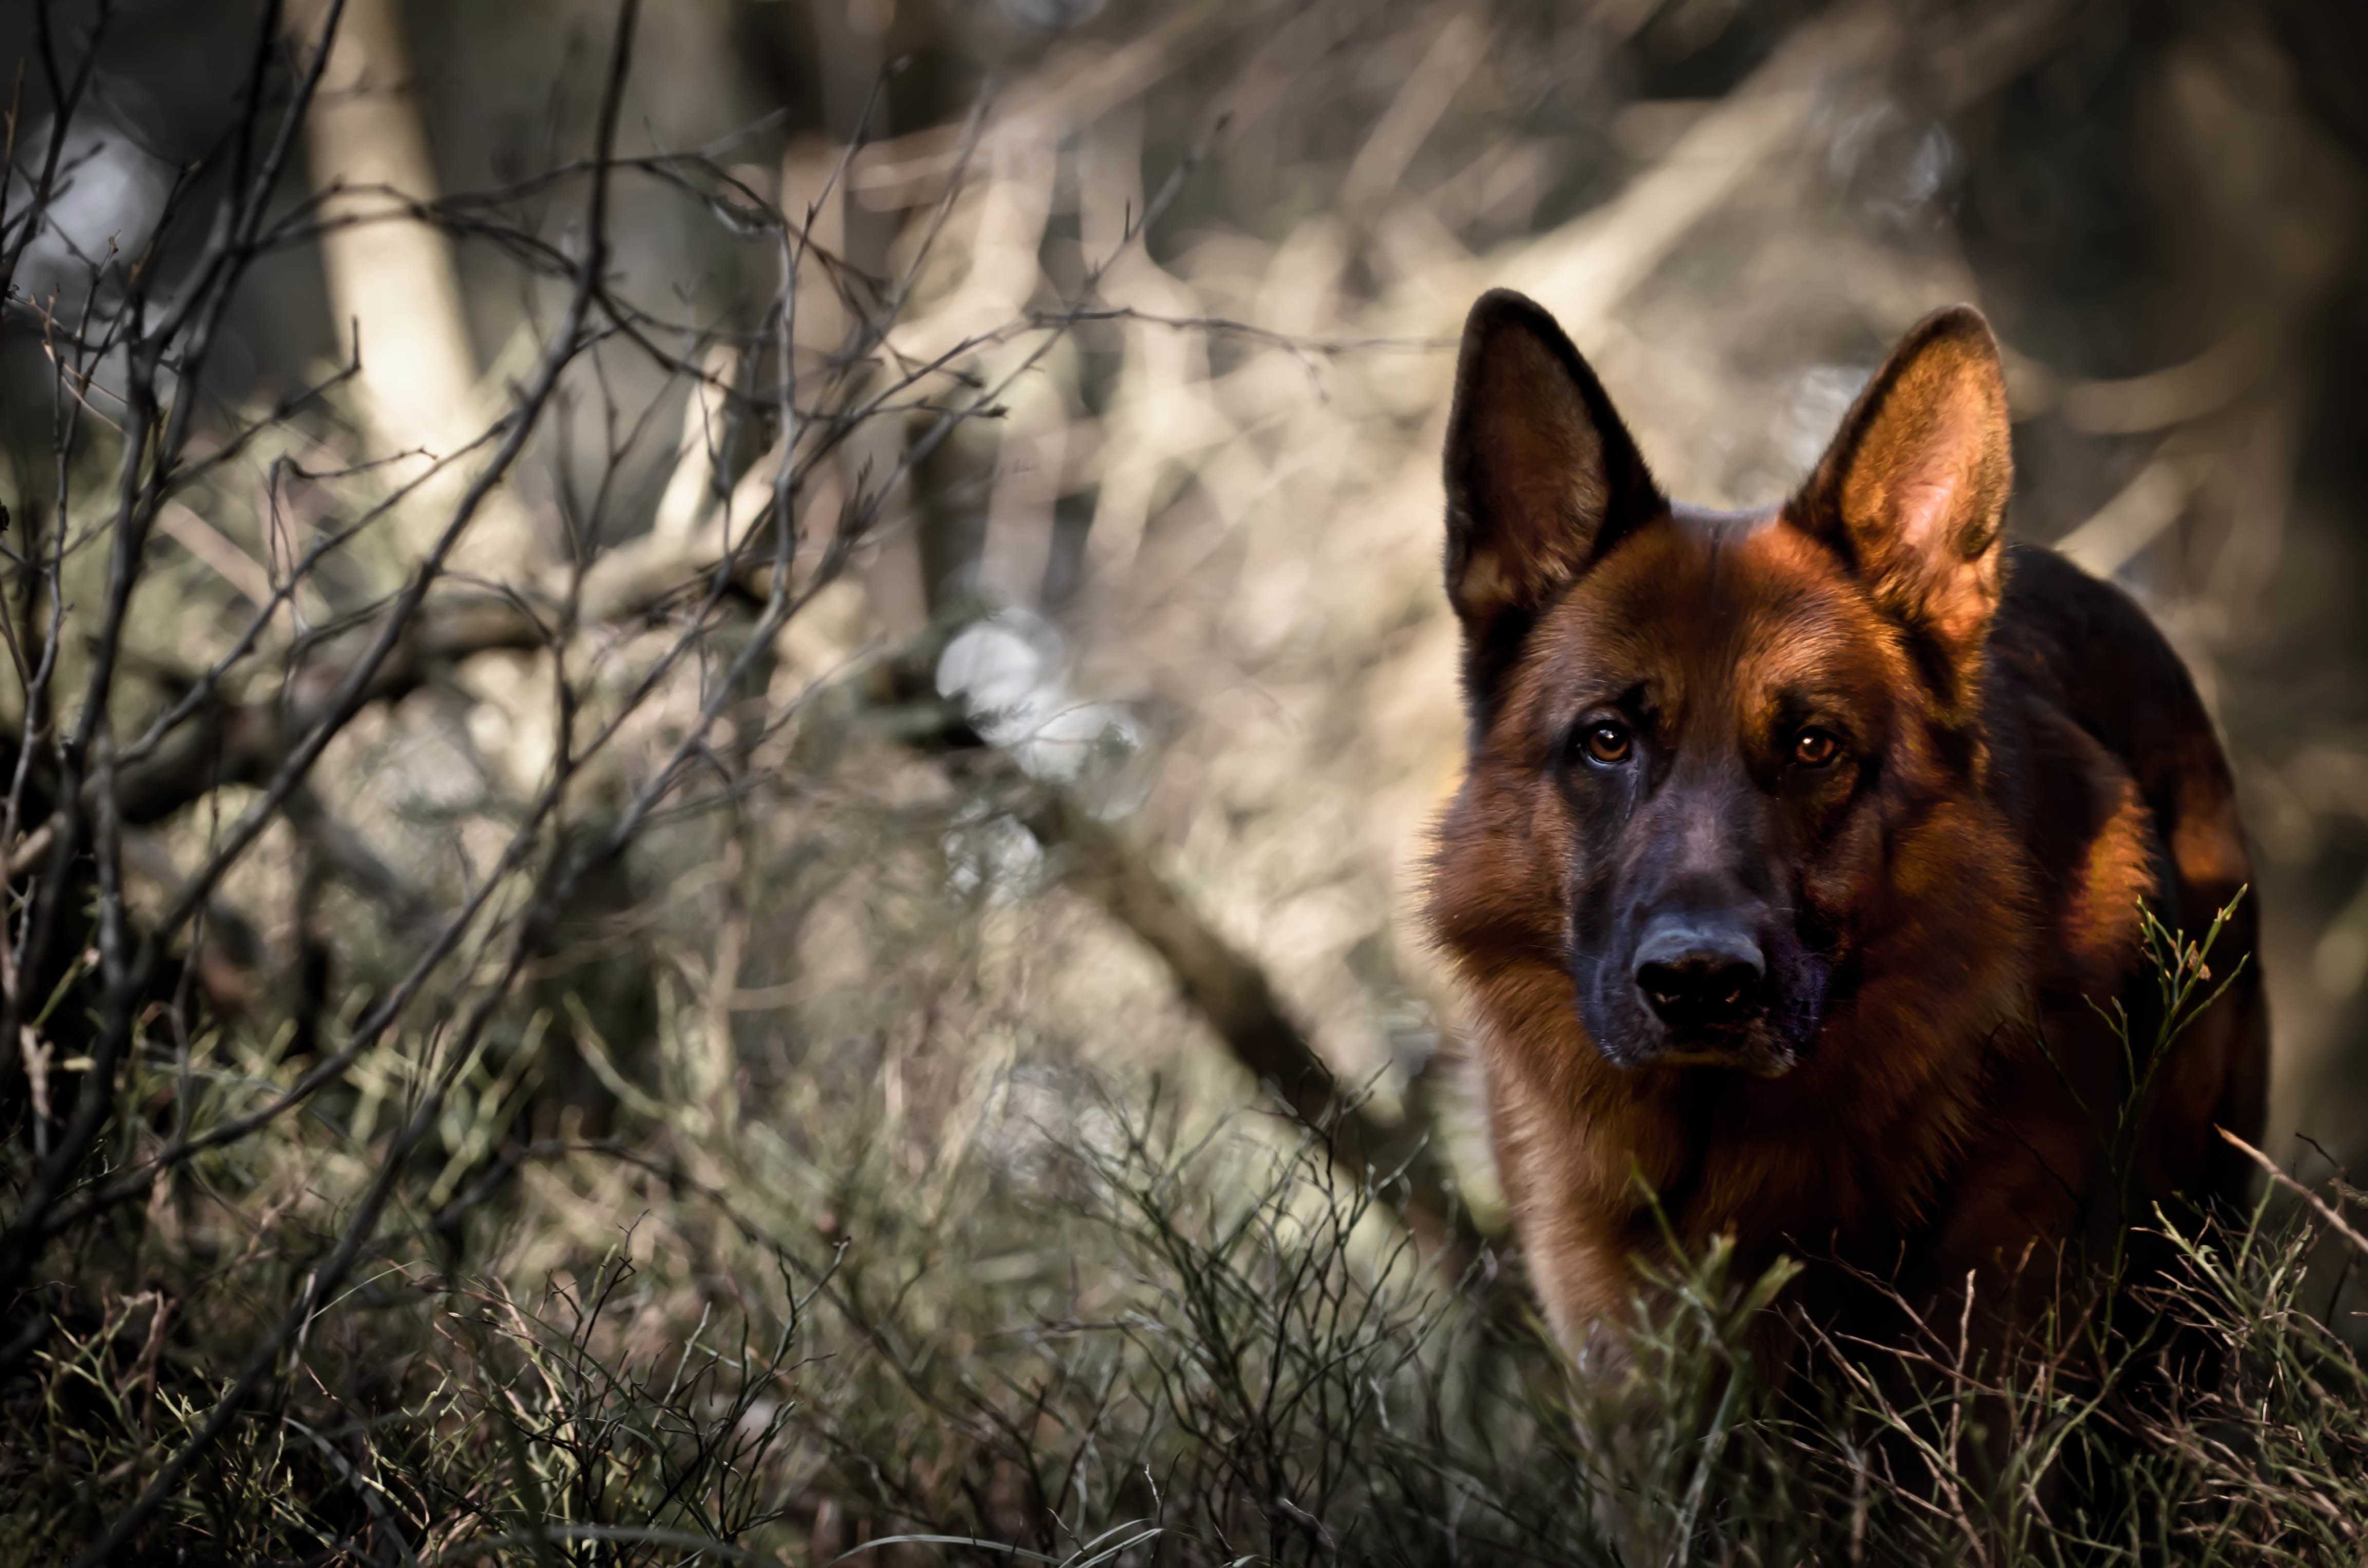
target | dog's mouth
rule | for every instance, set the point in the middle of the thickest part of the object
(1771, 1042)
(1759, 1057)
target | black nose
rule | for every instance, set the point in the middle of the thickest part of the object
(1699, 972)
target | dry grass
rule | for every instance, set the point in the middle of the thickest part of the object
(1093, 1325)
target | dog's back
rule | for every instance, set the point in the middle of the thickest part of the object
(2084, 649)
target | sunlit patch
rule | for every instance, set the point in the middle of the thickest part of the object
(2209, 852)
(2100, 920)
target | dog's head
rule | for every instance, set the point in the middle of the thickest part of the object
(1698, 742)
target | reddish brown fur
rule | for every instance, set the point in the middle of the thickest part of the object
(2033, 762)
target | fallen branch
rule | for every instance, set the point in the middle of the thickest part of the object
(248, 742)
(1232, 993)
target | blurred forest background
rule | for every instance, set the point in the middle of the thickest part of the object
(737, 646)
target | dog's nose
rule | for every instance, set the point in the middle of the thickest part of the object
(1699, 972)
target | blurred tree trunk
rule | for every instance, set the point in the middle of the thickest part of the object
(395, 289)
(393, 284)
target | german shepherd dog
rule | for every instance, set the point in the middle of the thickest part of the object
(1799, 858)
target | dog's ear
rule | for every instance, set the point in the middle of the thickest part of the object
(1542, 477)
(1912, 493)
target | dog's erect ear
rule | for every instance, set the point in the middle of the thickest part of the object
(1540, 476)
(1912, 493)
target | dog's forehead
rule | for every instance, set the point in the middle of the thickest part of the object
(1698, 598)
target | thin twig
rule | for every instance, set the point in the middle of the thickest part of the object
(2318, 1205)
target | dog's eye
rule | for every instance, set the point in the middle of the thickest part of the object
(1815, 748)
(1606, 741)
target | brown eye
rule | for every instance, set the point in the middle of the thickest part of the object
(1815, 748)
(1607, 740)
